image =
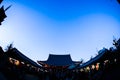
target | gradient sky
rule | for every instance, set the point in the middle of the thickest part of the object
(78, 27)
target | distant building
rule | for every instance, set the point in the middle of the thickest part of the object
(58, 61)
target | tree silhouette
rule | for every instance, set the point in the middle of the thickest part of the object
(2, 12)
(1, 1)
(118, 1)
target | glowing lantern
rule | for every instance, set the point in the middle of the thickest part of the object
(17, 62)
(97, 66)
(93, 66)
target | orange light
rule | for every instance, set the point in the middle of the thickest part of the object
(17, 62)
(97, 66)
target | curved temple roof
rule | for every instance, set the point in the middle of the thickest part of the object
(58, 60)
(100, 56)
(18, 55)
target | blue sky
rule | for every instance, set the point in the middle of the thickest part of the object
(77, 27)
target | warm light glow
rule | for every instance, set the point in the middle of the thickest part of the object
(17, 62)
(88, 68)
(46, 65)
(106, 62)
(97, 66)
(81, 70)
(14, 61)
(11, 60)
(93, 66)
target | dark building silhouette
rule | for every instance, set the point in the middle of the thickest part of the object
(56, 61)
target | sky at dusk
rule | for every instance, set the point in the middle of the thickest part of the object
(80, 28)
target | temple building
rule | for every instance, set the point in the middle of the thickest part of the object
(103, 56)
(58, 61)
(15, 55)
